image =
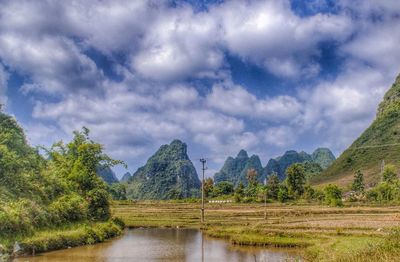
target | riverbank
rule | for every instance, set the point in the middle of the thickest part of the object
(350, 233)
(73, 235)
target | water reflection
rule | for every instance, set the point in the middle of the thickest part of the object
(156, 244)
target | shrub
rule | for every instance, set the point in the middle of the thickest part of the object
(333, 195)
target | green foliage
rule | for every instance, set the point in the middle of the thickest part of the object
(222, 188)
(208, 187)
(69, 208)
(385, 192)
(333, 195)
(273, 186)
(311, 169)
(389, 174)
(239, 192)
(283, 193)
(117, 191)
(295, 180)
(358, 183)
(38, 193)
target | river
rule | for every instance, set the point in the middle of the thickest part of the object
(155, 244)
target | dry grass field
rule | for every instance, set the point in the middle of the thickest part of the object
(323, 233)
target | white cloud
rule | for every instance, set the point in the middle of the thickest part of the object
(180, 43)
(280, 136)
(236, 100)
(269, 34)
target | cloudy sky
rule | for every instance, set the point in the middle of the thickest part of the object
(266, 76)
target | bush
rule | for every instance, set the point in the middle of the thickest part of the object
(69, 208)
(283, 194)
(333, 195)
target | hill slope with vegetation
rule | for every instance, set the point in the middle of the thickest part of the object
(168, 174)
(59, 190)
(379, 142)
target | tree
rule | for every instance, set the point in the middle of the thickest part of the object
(389, 173)
(358, 183)
(77, 161)
(252, 175)
(118, 191)
(333, 195)
(223, 188)
(208, 186)
(239, 192)
(273, 186)
(283, 194)
(295, 180)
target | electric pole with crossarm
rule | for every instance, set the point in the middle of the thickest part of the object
(203, 162)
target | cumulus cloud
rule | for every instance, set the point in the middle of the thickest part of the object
(236, 100)
(269, 34)
(173, 79)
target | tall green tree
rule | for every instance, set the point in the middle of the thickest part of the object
(273, 186)
(78, 161)
(295, 180)
(358, 183)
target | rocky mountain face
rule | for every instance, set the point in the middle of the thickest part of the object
(235, 169)
(168, 174)
(322, 157)
(107, 175)
(126, 177)
(378, 143)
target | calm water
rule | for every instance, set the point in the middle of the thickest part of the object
(154, 244)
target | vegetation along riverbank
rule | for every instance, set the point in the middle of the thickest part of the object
(52, 199)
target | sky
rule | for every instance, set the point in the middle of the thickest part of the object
(265, 76)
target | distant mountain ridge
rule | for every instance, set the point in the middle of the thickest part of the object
(168, 174)
(235, 169)
(378, 143)
(321, 156)
(126, 177)
(107, 175)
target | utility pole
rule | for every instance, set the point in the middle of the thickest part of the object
(203, 162)
(265, 199)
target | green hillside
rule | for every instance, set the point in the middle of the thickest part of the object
(379, 142)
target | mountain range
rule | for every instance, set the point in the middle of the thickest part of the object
(235, 169)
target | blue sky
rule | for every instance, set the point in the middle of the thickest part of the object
(266, 76)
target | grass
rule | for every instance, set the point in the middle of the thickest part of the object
(72, 235)
(350, 233)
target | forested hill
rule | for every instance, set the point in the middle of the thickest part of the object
(379, 142)
(168, 174)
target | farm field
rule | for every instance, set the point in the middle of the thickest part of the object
(322, 233)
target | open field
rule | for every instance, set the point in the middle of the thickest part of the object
(324, 233)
